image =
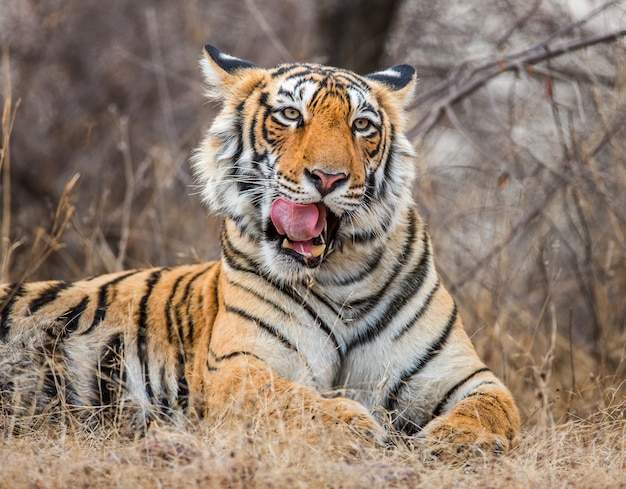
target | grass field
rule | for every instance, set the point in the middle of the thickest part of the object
(586, 453)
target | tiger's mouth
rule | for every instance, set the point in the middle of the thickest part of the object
(305, 232)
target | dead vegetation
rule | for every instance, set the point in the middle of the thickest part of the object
(582, 453)
(522, 179)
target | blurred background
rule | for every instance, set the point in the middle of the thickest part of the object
(519, 122)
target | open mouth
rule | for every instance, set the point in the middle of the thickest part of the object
(303, 231)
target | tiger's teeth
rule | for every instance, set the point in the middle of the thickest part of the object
(317, 250)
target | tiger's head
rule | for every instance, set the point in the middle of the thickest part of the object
(307, 162)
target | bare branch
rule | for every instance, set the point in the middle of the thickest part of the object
(460, 85)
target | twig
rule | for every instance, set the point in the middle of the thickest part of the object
(495, 67)
(47, 242)
(571, 359)
(8, 119)
(129, 193)
(491, 62)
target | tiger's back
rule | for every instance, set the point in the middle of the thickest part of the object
(109, 347)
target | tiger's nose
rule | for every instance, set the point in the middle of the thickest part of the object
(326, 182)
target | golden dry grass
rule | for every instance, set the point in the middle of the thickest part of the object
(582, 453)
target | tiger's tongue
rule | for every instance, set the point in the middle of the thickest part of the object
(299, 222)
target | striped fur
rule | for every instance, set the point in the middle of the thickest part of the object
(358, 309)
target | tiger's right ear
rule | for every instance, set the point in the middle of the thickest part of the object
(221, 70)
(400, 78)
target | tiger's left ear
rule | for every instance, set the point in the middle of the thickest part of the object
(402, 79)
(221, 70)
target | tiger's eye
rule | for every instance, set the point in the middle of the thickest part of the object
(361, 124)
(291, 113)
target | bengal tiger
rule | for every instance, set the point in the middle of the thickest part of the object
(326, 284)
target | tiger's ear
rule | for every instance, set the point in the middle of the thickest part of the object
(221, 70)
(400, 78)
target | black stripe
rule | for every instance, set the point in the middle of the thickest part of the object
(360, 274)
(52, 380)
(389, 159)
(237, 156)
(56, 384)
(259, 296)
(366, 237)
(267, 327)
(381, 193)
(235, 354)
(101, 308)
(264, 116)
(182, 396)
(110, 378)
(444, 400)
(228, 356)
(393, 396)
(381, 147)
(69, 320)
(370, 190)
(47, 296)
(169, 326)
(292, 294)
(243, 223)
(16, 290)
(299, 71)
(420, 312)
(231, 254)
(368, 303)
(330, 305)
(142, 328)
(185, 301)
(273, 331)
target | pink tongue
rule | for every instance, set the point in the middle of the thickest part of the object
(300, 222)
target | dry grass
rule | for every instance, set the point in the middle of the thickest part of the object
(582, 453)
(523, 186)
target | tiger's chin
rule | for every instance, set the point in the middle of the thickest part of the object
(298, 240)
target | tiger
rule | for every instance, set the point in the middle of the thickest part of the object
(325, 301)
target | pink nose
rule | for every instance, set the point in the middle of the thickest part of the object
(326, 182)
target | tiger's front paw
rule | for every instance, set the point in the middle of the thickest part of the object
(453, 440)
(343, 412)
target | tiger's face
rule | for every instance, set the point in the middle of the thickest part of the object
(304, 160)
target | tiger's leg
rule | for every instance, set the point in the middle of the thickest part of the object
(457, 407)
(485, 422)
(244, 392)
(246, 370)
